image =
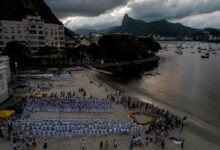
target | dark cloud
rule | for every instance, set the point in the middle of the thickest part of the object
(201, 21)
(171, 9)
(105, 13)
(65, 8)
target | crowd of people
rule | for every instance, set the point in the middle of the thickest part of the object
(22, 142)
(30, 87)
(103, 145)
(64, 75)
(159, 129)
(69, 128)
(44, 85)
(68, 104)
(135, 141)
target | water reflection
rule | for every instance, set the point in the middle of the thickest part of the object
(187, 82)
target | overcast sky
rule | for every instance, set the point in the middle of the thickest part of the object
(99, 14)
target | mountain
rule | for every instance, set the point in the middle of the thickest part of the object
(19, 9)
(84, 31)
(106, 30)
(212, 31)
(69, 33)
(162, 27)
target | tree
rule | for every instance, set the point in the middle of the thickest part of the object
(48, 50)
(125, 47)
(150, 45)
(95, 51)
(17, 53)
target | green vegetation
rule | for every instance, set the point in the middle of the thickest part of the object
(124, 47)
(47, 51)
(110, 48)
(113, 48)
(17, 53)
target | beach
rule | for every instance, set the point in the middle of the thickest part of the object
(97, 88)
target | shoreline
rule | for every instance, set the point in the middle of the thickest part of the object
(205, 130)
(124, 67)
(98, 89)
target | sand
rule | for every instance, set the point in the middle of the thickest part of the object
(82, 80)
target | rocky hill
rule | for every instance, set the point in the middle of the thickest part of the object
(19, 9)
(162, 27)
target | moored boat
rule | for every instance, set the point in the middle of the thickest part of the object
(179, 52)
(206, 55)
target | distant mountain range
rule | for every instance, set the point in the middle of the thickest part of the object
(85, 32)
(162, 27)
(69, 33)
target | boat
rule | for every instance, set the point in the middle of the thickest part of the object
(149, 74)
(179, 52)
(152, 73)
(158, 73)
(206, 55)
(180, 47)
(214, 52)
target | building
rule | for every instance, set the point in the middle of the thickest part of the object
(70, 42)
(5, 77)
(187, 38)
(33, 32)
(94, 37)
(217, 38)
(84, 41)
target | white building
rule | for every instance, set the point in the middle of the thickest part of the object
(5, 77)
(84, 41)
(211, 38)
(94, 37)
(217, 38)
(33, 32)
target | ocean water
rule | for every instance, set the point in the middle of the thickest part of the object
(188, 84)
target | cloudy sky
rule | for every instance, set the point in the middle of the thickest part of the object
(99, 14)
